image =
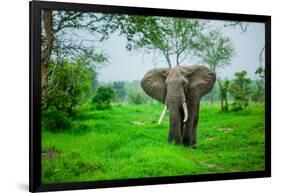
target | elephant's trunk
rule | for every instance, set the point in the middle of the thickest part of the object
(175, 134)
(176, 102)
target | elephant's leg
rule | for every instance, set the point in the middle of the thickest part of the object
(189, 134)
(193, 133)
(187, 137)
(185, 134)
(175, 134)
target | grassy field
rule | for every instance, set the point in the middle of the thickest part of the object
(126, 142)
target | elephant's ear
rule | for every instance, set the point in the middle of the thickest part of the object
(201, 79)
(153, 83)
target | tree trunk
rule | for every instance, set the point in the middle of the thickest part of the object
(47, 46)
(178, 62)
(168, 59)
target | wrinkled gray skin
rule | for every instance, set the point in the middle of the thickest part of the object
(173, 87)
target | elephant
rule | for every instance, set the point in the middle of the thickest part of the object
(180, 89)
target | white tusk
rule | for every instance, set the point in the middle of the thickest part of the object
(162, 115)
(185, 112)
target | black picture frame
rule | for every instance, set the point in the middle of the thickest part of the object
(35, 95)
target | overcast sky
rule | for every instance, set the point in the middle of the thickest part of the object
(124, 65)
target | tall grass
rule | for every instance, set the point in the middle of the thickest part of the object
(126, 142)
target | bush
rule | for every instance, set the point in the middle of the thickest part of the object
(67, 84)
(54, 120)
(102, 98)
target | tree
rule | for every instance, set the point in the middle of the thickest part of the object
(240, 91)
(172, 38)
(102, 98)
(224, 89)
(58, 30)
(215, 50)
(47, 44)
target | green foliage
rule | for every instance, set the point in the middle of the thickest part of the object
(125, 142)
(224, 89)
(92, 61)
(214, 49)
(67, 82)
(240, 91)
(54, 120)
(65, 23)
(103, 97)
(169, 37)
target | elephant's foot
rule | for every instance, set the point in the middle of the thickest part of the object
(193, 143)
(177, 140)
(194, 146)
(187, 143)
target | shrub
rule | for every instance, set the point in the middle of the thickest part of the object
(54, 120)
(103, 97)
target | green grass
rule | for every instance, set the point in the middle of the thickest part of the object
(126, 142)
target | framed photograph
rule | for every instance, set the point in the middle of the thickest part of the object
(126, 96)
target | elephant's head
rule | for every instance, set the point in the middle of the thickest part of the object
(176, 87)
